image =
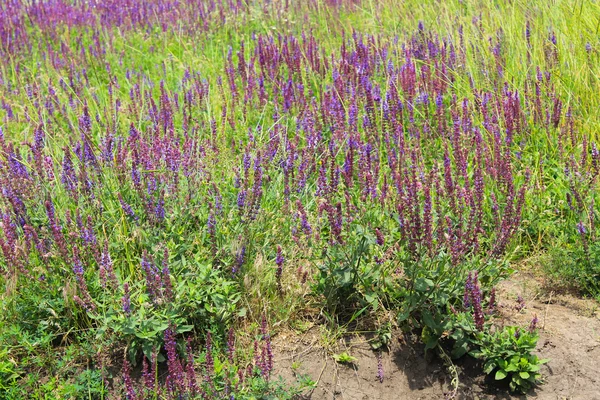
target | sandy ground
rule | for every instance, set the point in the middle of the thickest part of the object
(569, 337)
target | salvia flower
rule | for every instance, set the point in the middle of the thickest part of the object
(231, 345)
(159, 209)
(379, 237)
(492, 303)
(149, 373)
(279, 261)
(581, 228)
(467, 292)
(380, 374)
(126, 207)
(533, 324)
(239, 260)
(126, 301)
(106, 268)
(472, 298)
(68, 177)
(175, 378)
(130, 393)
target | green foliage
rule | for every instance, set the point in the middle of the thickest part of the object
(507, 355)
(570, 265)
(435, 291)
(344, 358)
(8, 371)
(202, 299)
(349, 277)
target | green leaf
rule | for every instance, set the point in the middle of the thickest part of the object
(524, 374)
(500, 374)
(429, 321)
(511, 368)
(431, 343)
(423, 284)
(460, 351)
(344, 358)
(489, 367)
(403, 315)
(184, 328)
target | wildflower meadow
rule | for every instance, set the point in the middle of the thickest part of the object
(185, 181)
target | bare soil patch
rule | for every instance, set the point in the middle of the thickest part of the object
(569, 337)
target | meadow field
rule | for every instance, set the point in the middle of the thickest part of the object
(283, 199)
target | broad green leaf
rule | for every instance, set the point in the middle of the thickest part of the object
(459, 351)
(423, 284)
(489, 367)
(500, 374)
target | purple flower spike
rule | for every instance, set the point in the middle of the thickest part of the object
(126, 299)
(379, 237)
(279, 261)
(380, 374)
(130, 393)
(533, 324)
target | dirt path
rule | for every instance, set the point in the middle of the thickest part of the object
(570, 338)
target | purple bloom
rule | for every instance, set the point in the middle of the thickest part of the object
(16, 165)
(126, 207)
(533, 324)
(159, 210)
(231, 345)
(77, 267)
(130, 393)
(305, 226)
(149, 372)
(190, 371)
(153, 280)
(492, 302)
(211, 224)
(279, 261)
(87, 233)
(241, 199)
(467, 292)
(472, 298)
(106, 267)
(135, 175)
(581, 228)
(379, 237)
(175, 378)
(380, 374)
(239, 260)
(126, 301)
(267, 355)
(68, 177)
